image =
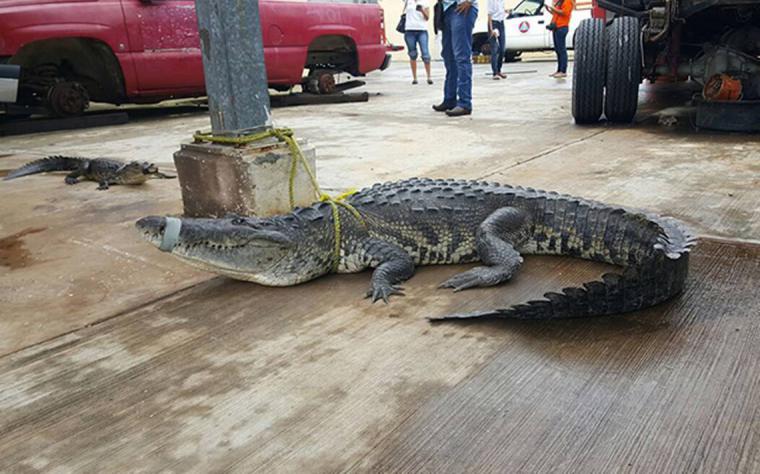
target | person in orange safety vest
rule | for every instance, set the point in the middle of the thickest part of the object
(561, 12)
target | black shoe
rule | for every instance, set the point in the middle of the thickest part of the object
(458, 111)
(442, 107)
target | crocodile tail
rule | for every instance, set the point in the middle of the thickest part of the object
(51, 163)
(654, 280)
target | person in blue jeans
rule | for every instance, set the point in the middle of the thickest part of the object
(496, 15)
(458, 21)
(561, 11)
(417, 15)
(560, 48)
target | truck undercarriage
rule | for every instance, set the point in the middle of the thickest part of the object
(715, 43)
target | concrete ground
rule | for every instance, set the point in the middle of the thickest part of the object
(116, 357)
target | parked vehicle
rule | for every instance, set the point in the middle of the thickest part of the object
(525, 29)
(69, 52)
(714, 43)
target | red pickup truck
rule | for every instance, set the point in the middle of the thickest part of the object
(60, 54)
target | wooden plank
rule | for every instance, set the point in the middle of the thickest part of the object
(51, 124)
(304, 98)
(673, 389)
(233, 376)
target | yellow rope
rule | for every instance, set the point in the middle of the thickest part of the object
(286, 135)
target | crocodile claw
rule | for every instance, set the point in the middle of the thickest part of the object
(384, 292)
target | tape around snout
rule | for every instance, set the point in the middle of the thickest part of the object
(171, 234)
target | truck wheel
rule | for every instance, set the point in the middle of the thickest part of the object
(623, 69)
(68, 99)
(326, 83)
(321, 81)
(589, 71)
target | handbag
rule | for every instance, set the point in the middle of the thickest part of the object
(401, 27)
(438, 17)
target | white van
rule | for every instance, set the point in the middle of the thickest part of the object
(525, 29)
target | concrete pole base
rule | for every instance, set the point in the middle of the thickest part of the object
(250, 180)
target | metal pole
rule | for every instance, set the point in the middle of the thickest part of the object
(233, 63)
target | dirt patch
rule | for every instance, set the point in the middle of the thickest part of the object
(13, 252)
(4, 173)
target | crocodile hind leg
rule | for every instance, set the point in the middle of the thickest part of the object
(496, 239)
(392, 266)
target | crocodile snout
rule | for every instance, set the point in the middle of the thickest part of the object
(151, 224)
(154, 230)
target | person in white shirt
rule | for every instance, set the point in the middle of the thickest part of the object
(415, 32)
(496, 15)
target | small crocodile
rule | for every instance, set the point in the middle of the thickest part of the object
(425, 221)
(104, 171)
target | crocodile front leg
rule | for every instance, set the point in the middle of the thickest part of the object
(392, 266)
(496, 239)
(73, 177)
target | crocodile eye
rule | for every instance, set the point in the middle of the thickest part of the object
(238, 221)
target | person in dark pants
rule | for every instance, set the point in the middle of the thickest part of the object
(459, 20)
(561, 12)
(496, 39)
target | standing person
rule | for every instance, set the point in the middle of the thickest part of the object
(561, 12)
(458, 21)
(417, 14)
(496, 15)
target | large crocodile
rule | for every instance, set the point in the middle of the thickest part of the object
(426, 221)
(104, 171)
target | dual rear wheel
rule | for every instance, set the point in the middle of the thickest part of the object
(607, 70)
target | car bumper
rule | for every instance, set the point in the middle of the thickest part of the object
(9, 78)
(386, 62)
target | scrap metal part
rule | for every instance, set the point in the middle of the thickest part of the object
(729, 116)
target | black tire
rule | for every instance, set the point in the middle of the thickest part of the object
(512, 56)
(623, 69)
(478, 40)
(589, 71)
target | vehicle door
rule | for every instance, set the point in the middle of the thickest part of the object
(164, 44)
(525, 27)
